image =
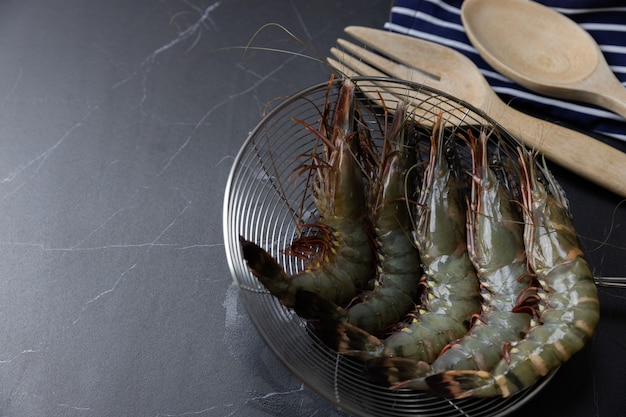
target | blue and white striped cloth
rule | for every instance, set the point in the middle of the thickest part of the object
(440, 21)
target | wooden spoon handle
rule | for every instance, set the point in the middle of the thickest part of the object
(579, 153)
(611, 94)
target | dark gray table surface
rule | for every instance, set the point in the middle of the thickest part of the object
(119, 123)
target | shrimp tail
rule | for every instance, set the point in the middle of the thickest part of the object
(350, 340)
(463, 384)
(398, 373)
(312, 306)
(266, 269)
(332, 334)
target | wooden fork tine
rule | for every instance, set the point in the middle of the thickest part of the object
(390, 68)
(445, 68)
(423, 106)
(374, 90)
(353, 64)
(428, 57)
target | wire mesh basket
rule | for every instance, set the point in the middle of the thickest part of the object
(266, 203)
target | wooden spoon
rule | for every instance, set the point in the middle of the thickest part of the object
(445, 69)
(542, 50)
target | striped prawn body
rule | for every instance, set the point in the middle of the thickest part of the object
(570, 306)
(349, 260)
(496, 246)
(451, 286)
(399, 272)
(497, 250)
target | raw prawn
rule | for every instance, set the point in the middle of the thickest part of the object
(496, 245)
(571, 306)
(399, 273)
(399, 269)
(349, 260)
(451, 284)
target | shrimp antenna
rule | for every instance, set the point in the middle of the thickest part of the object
(605, 241)
(314, 56)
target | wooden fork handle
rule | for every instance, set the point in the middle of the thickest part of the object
(577, 152)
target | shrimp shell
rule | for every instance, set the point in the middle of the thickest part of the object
(453, 289)
(398, 282)
(497, 250)
(338, 193)
(571, 306)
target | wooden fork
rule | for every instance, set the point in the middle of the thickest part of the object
(444, 69)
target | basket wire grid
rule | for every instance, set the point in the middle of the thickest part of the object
(265, 202)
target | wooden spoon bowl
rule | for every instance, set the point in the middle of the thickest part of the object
(542, 50)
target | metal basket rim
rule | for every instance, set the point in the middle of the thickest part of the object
(227, 224)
